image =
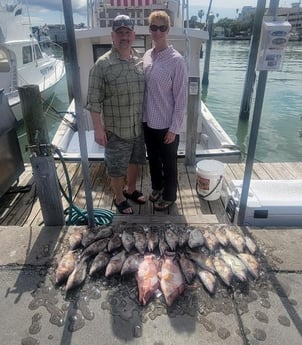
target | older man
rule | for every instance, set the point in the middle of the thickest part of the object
(115, 97)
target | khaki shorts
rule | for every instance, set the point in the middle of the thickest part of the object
(119, 153)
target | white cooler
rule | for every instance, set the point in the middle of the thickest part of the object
(270, 202)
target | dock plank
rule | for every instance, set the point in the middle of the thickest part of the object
(22, 209)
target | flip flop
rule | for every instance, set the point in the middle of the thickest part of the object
(135, 196)
(122, 206)
(163, 205)
(155, 195)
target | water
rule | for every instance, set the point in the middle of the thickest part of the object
(279, 138)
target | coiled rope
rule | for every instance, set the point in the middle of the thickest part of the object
(75, 215)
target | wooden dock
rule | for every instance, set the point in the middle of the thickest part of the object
(21, 207)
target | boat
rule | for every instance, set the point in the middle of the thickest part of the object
(91, 42)
(22, 60)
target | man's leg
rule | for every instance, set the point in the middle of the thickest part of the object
(117, 185)
(132, 174)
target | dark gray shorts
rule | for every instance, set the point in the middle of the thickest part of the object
(119, 153)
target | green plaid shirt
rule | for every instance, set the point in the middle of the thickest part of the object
(116, 89)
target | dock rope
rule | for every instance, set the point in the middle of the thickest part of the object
(76, 215)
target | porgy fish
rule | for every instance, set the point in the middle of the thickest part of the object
(251, 263)
(78, 275)
(237, 267)
(140, 241)
(171, 238)
(208, 279)
(127, 240)
(97, 233)
(152, 239)
(210, 240)
(65, 267)
(114, 243)
(147, 278)
(95, 247)
(187, 268)
(99, 263)
(223, 270)
(171, 279)
(131, 263)
(116, 263)
(222, 236)
(196, 238)
(237, 240)
(202, 260)
(250, 244)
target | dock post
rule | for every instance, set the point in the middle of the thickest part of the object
(43, 166)
(192, 119)
(250, 73)
(205, 77)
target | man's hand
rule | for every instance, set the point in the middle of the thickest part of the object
(100, 136)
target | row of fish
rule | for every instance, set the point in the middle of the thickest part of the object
(159, 259)
(166, 237)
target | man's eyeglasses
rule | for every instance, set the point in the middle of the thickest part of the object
(161, 28)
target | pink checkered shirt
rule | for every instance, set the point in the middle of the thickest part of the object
(165, 102)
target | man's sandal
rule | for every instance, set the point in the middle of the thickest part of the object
(122, 206)
(135, 196)
(163, 205)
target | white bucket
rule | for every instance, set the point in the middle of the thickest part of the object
(209, 179)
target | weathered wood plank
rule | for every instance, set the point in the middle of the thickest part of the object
(186, 194)
(24, 208)
(160, 219)
(200, 204)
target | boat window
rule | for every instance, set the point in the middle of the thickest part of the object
(27, 54)
(38, 53)
(99, 50)
(4, 63)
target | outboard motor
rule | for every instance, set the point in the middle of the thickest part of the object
(11, 160)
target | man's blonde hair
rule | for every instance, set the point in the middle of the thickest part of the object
(160, 15)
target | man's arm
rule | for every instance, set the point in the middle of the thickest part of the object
(100, 136)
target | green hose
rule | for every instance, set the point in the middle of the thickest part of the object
(76, 215)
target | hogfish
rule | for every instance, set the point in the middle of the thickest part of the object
(171, 279)
(147, 278)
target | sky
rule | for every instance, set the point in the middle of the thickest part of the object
(51, 11)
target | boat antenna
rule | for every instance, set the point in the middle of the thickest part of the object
(28, 14)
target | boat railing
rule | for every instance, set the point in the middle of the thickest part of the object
(101, 13)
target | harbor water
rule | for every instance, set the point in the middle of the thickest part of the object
(280, 132)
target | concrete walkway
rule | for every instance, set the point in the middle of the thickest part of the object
(267, 311)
